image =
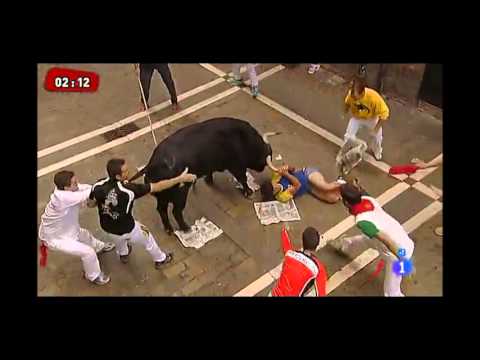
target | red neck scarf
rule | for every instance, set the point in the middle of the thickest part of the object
(362, 206)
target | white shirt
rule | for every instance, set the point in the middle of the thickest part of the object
(60, 218)
(386, 223)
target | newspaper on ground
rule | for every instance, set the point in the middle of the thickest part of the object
(272, 212)
(250, 182)
(201, 232)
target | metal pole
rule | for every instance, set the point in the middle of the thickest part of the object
(137, 72)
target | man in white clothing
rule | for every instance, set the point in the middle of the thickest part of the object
(60, 229)
(380, 231)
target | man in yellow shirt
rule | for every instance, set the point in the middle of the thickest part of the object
(368, 110)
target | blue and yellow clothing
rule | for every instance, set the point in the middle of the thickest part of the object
(283, 195)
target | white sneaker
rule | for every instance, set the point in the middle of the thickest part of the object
(313, 68)
(109, 246)
(340, 245)
(101, 279)
(346, 243)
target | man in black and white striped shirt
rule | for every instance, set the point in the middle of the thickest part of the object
(114, 197)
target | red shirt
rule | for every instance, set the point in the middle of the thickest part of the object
(299, 272)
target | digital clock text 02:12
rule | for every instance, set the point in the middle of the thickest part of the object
(70, 80)
(65, 82)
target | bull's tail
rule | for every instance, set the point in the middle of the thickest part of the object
(267, 134)
(138, 174)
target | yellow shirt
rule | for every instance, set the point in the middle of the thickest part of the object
(284, 195)
(369, 106)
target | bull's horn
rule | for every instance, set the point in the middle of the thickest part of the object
(269, 163)
(267, 134)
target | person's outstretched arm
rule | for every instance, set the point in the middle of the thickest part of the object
(167, 184)
(433, 163)
(286, 244)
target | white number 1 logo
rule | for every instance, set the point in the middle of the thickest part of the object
(402, 267)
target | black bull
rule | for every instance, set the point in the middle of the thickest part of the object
(214, 145)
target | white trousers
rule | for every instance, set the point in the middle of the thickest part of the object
(139, 235)
(85, 247)
(251, 72)
(375, 141)
(392, 282)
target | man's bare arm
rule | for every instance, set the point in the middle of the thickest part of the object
(167, 184)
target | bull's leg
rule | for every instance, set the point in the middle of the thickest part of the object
(241, 176)
(209, 179)
(178, 206)
(162, 208)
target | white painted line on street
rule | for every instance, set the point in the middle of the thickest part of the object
(371, 254)
(132, 118)
(257, 286)
(392, 193)
(422, 173)
(424, 215)
(264, 75)
(336, 231)
(220, 73)
(384, 167)
(214, 69)
(276, 271)
(333, 233)
(436, 190)
(300, 120)
(351, 269)
(426, 190)
(134, 135)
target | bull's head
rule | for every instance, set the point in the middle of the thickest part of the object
(268, 159)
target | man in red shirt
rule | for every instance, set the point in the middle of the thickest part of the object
(301, 270)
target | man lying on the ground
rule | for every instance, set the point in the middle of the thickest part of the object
(288, 183)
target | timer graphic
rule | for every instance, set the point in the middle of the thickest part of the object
(71, 80)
